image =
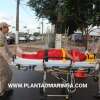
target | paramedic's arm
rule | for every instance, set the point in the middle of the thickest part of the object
(7, 49)
(69, 56)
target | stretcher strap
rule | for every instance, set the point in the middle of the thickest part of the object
(45, 55)
(63, 54)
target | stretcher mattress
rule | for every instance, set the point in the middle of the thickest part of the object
(55, 57)
(51, 63)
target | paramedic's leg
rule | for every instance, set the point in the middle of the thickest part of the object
(98, 94)
(99, 83)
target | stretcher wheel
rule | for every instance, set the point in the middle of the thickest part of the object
(43, 94)
(65, 92)
(66, 98)
(18, 66)
(44, 98)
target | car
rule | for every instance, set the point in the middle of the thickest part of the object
(32, 38)
(10, 39)
(22, 38)
(77, 37)
(38, 38)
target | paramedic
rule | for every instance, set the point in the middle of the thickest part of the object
(5, 58)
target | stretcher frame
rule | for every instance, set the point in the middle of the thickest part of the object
(70, 79)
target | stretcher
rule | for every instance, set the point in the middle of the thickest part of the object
(56, 58)
(55, 61)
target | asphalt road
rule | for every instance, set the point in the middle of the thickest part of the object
(20, 76)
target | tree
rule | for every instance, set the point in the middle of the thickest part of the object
(44, 8)
(48, 9)
(68, 15)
